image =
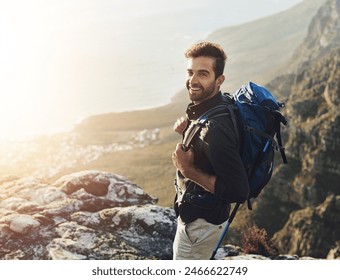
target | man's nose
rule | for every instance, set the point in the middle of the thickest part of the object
(193, 79)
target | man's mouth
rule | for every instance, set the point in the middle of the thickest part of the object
(195, 88)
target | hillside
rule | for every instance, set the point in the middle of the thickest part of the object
(301, 205)
(258, 49)
(140, 165)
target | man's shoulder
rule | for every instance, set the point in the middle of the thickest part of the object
(226, 97)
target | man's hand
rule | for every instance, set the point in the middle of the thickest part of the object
(184, 162)
(180, 125)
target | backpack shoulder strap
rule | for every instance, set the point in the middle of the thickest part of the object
(189, 135)
(234, 120)
(279, 142)
(225, 108)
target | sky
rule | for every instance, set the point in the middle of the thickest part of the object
(64, 60)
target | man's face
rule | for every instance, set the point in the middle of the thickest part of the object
(200, 81)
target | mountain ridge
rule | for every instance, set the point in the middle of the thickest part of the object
(261, 37)
(237, 50)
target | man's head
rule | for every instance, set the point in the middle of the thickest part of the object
(205, 70)
(212, 50)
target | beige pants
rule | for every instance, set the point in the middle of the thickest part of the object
(196, 240)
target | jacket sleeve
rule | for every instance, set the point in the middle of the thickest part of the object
(231, 178)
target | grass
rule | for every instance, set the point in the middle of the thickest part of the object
(150, 167)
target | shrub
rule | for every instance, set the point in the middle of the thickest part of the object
(256, 241)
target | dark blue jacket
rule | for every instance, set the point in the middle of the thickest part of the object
(216, 153)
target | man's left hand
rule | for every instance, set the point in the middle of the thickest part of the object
(183, 160)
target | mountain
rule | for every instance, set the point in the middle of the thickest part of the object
(323, 36)
(275, 37)
(304, 196)
(258, 49)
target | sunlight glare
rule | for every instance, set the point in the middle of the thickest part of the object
(63, 60)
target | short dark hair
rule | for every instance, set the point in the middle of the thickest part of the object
(212, 50)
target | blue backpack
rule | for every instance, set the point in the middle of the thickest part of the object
(260, 119)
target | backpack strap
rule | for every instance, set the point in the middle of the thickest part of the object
(213, 113)
(192, 130)
(281, 148)
(234, 120)
(220, 110)
(258, 132)
(196, 126)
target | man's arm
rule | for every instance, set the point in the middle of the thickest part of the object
(229, 180)
(184, 162)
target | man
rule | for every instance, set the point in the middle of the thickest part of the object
(210, 174)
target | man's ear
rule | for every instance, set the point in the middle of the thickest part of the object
(220, 80)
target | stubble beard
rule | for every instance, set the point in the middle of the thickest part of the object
(198, 96)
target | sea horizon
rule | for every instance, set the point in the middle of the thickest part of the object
(65, 62)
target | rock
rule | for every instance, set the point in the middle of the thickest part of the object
(232, 252)
(246, 257)
(311, 231)
(22, 224)
(84, 215)
(334, 253)
(105, 185)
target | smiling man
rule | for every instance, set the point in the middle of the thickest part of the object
(210, 174)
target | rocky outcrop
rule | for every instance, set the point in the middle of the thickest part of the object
(314, 132)
(85, 215)
(312, 231)
(232, 252)
(303, 195)
(323, 35)
(90, 215)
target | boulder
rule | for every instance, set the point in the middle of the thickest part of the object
(84, 215)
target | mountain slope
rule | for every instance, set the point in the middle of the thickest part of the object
(257, 49)
(301, 204)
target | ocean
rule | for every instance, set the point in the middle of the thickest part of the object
(66, 60)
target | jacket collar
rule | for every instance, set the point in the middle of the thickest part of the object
(195, 111)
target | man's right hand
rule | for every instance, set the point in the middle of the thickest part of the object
(180, 125)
